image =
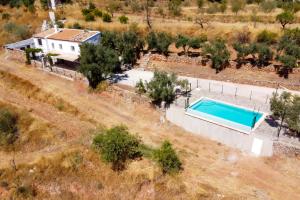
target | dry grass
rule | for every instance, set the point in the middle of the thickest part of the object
(207, 171)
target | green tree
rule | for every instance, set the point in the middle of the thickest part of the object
(151, 41)
(116, 146)
(175, 7)
(167, 158)
(280, 105)
(8, 126)
(265, 54)
(129, 45)
(293, 116)
(161, 87)
(164, 40)
(219, 54)
(97, 62)
(285, 18)
(189, 42)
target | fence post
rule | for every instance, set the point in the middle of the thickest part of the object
(267, 98)
(235, 92)
(197, 84)
(222, 88)
(190, 86)
(209, 87)
(251, 95)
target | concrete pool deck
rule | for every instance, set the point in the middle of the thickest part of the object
(259, 142)
(264, 134)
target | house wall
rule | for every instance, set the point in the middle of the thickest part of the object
(66, 46)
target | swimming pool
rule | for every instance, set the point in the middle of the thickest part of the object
(225, 114)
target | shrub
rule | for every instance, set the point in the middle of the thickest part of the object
(89, 17)
(97, 13)
(212, 8)
(267, 37)
(200, 3)
(116, 145)
(243, 37)
(167, 158)
(19, 31)
(237, 5)
(140, 87)
(5, 16)
(268, 6)
(174, 7)
(76, 25)
(106, 17)
(123, 19)
(8, 126)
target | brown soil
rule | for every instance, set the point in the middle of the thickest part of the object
(71, 170)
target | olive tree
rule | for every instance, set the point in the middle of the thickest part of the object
(286, 17)
(280, 105)
(97, 62)
(189, 42)
(159, 42)
(219, 54)
(116, 146)
(161, 87)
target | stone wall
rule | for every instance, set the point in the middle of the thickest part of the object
(17, 55)
(173, 58)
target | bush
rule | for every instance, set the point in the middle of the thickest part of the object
(237, 5)
(174, 7)
(117, 145)
(8, 126)
(19, 31)
(167, 158)
(123, 19)
(267, 37)
(285, 18)
(268, 6)
(243, 37)
(140, 87)
(97, 13)
(76, 25)
(5, 16)
(106, 17)
(89, 17)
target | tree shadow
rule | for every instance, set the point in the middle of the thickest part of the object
(271, 121)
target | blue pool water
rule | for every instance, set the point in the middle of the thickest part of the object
(215, 110)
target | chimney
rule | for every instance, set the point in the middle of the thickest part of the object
(56, 28)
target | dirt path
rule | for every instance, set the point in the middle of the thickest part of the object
(206, 162)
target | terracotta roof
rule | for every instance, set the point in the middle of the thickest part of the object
(73, 35)
(44, 33)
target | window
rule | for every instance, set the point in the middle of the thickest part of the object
(60, 46)
(52, 45)
(72, 48)
(40, 42)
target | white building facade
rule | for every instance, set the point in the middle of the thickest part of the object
(64, 43)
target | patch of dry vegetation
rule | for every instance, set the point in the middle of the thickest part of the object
(32, 134)
(30, 90)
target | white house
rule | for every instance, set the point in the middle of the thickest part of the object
(64, 42)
